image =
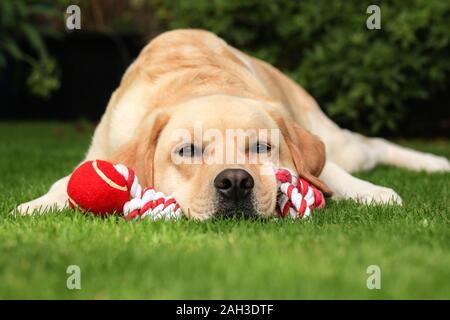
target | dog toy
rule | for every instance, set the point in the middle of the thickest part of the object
(103, 188)
(297, 198)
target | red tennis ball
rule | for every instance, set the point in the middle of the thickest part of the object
(96, 186)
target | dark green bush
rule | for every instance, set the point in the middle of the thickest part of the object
(363, 78)
(23, 40)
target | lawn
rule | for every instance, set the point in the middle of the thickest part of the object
(326, 257)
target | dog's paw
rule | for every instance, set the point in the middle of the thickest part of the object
(379, 195)
(37, 207)
(432, 163)
(436, 163)
(27, 208)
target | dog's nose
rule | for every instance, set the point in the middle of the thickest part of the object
(234, 184)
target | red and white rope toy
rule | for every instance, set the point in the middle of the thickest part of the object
(296, 198)
(103, 188)
(147, 202)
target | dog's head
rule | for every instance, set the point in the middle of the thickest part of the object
(216, 155)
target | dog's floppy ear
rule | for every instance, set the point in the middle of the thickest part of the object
(139, 155)
(307, 151)
(160, 122)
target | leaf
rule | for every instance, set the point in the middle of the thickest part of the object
(35, 40)
(12, 48)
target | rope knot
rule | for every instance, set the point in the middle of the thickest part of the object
(146, 202)
(297, 198)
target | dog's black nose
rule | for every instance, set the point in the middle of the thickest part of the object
(234, 184)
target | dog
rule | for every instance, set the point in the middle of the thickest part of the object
(187, 78)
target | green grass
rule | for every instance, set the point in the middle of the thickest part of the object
(323, 258)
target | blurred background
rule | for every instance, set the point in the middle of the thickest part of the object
(390, 82)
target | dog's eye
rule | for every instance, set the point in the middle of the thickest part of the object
(260, 148)
(189, 150)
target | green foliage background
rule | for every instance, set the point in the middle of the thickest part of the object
(361, 77)
(17, 32)
(364, 79)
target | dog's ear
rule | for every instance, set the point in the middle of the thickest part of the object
(307, 151)
(147, 172)
(139, 155)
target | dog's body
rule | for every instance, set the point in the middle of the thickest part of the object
(188, 76)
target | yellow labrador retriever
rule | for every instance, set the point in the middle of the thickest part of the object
(189, 80)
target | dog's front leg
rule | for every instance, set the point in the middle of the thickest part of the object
(55, 198)
(345, 186)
